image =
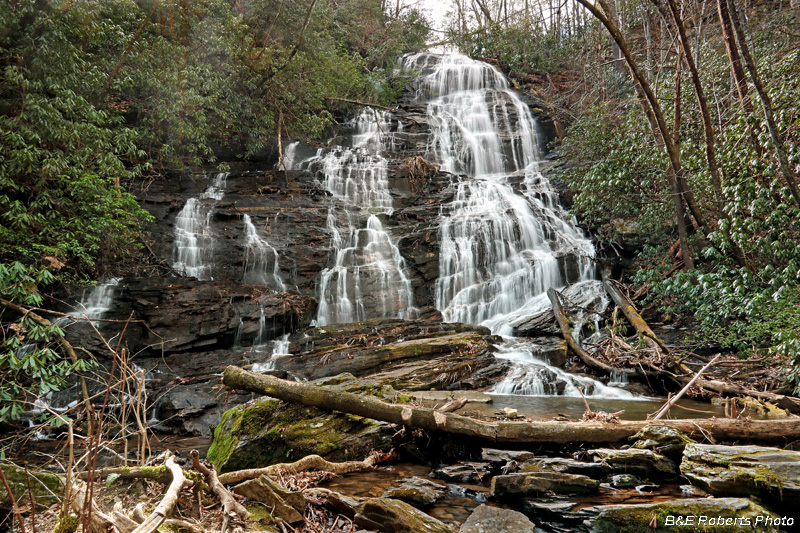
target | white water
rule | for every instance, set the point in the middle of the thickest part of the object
(367, 277)
(193, 236)
(280, 347)
(260, 260)
(505, 239)
(94, 304)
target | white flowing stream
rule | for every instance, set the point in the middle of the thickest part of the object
(193, 236)
(367, 275)
(505, 239)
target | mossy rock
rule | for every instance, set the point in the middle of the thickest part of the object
(769, 473)
(662, 439)
(46, 488)
(395, 516)
(268, 431)
(717, 515)
(634, 461)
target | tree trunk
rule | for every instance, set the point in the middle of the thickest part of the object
(655, 115)
(766, 103)
(736, 69)
(708, 130)
(521, 432)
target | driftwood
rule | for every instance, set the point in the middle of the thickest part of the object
(140, 516)
(566, 332)
(229, 503)
(452, 405)
(667, 406)
(164, 508)
(99, 522)
(633, 316)
(503, 431)
(306, 463)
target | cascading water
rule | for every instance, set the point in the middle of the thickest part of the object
(504, 238)
(367, 278)
(193, 239)
(260, 260)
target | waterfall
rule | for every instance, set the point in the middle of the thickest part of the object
(193, 237)
(367, 277)
(260, 260)
(505, 239)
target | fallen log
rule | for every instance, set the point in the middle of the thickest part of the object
(521, 432)
(563, 323)
(165, 506)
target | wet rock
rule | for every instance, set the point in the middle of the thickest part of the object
(466, 472)
(46, 488)
(541, 324)
(623, 481)
(395, 516)
(286, 505)
(339, 503)
(661, 439)
(770, 473)
(183, 315)
(634, 461)
(533, 483)
(716, 514)
(409, 355)
(417, 491)
(502, 457)
(266, 431)
(566, 466)
(487, 519)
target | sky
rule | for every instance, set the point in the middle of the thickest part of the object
(435, 10)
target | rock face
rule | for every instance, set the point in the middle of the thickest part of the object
(486, 519)
(771, 473)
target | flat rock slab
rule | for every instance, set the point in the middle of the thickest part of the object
(504, 456)
(487, 519)
(567, 466)
(467, 472)
(770, 473)
(720, 515)
(634, 461)
(417, 491)
(394, 516)
(531, 484)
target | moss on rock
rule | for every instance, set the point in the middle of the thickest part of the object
(720, 515)
(45, 487)
(270, 431)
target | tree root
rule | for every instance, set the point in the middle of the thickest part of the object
(306, 463)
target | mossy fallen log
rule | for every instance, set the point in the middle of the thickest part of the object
(521, 432)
